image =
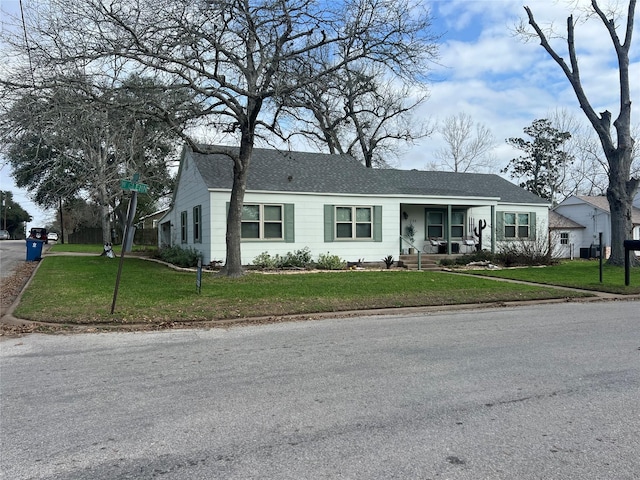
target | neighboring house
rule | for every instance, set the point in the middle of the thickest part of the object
(333, 204)
(151, 220)
(146, 232)
(591, 212)
(565, 235)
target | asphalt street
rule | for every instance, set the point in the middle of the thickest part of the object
(12, 254)
(535, 392)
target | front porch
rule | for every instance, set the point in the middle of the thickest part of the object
(447, 229)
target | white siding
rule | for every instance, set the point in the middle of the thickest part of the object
(594, 219)
(574, 242)
(190, 192)
(309, 227)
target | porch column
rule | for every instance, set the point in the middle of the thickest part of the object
(493, 229)
(449, 229)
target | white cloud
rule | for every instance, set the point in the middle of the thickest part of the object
(506, 83)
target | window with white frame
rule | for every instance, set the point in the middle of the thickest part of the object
(262, 222)
(435, 224)
(353, 222)
(183, 227)
(516, 225)
(457, 224)
(564, 238)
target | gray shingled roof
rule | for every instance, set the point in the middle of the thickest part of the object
(286, 171)
(559, 222)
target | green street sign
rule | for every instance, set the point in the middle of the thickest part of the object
(131, 185)
(140, 187)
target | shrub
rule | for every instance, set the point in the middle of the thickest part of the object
(517, 254)
(481, 256)
(523, 253)
(298, 259)
(264, 260)
(182, 257)
(330, 262)
(520, 254)
(388, 261)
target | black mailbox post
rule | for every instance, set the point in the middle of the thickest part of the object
(629, 246)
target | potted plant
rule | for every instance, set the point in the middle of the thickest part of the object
(410, 230)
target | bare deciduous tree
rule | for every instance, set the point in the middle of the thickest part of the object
(587, 174)
(618, 150)
(467, 145)
(360, 114)
(235, 56)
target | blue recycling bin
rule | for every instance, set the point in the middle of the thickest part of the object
(34, 249)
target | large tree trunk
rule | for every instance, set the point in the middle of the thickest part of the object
(233, 264)
(104, 215)
(620, 194)
(620, 207)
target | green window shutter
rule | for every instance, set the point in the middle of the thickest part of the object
(532, 225)
(289, 230)
(500, 226)
(195, 224)
(377, 223)
(328, 223)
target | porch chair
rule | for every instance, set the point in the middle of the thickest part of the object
(470, 244)
(432, 245)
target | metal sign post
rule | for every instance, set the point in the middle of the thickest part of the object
(134, 187)
(601, 253)
(629, 246)
(199, 275)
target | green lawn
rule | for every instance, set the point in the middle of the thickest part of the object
(583, 274)
(79, 290)
(95, 248)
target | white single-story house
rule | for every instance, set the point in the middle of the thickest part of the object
(565, 235)
(333, 204)
(592, 213)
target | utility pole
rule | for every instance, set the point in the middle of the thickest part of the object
(4, 210)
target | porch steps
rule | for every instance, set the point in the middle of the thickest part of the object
(429, 262)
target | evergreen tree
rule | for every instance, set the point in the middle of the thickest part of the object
(542, 168)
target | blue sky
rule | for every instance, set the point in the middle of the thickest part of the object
(506, 83)
(491, 75)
